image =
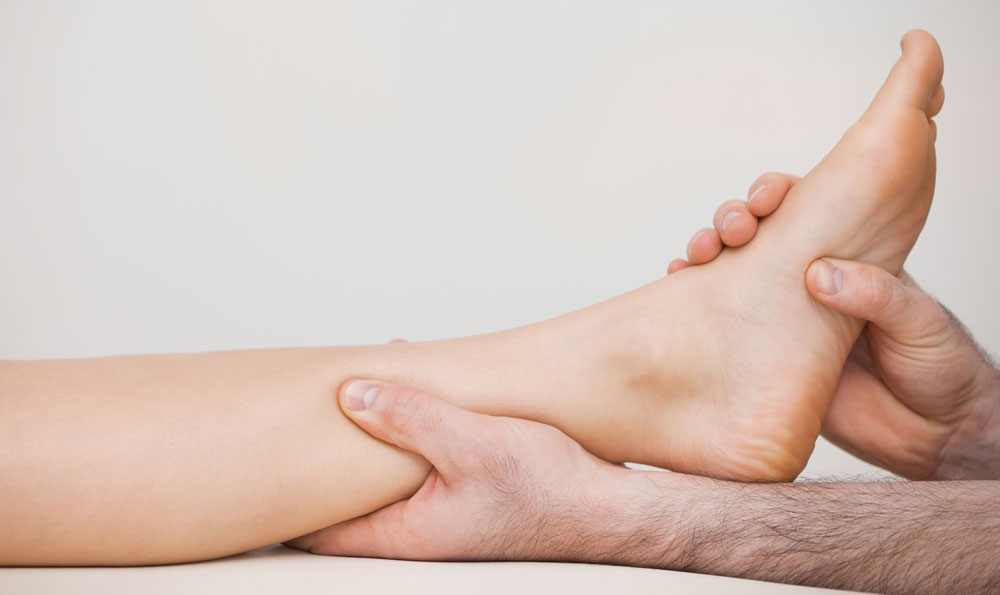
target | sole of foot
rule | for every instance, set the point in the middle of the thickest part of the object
(748, 358)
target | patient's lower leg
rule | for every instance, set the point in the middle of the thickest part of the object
(172, 458)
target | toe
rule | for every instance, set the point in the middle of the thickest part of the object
(916, 76)
(767, 192)
(704, 246)
(735, 224)
(936, 103)
(677, 264)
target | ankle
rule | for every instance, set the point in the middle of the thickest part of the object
(645, 344)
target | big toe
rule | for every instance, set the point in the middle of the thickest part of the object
(916, 76)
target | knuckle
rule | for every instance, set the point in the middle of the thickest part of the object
(880, 292)
(409, 410)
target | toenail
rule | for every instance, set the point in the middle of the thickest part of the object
(755, 192)
(730, 216)
(830, 278)
(694, 239)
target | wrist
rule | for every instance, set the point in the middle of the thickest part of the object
(599, 518)
(973, 452)
(648, 518)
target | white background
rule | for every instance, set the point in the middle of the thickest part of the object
(192, 176)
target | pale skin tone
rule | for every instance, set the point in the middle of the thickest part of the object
(725, 372)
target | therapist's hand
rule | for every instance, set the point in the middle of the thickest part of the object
(501, 488)
(508, 489)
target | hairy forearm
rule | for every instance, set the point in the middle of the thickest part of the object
(973, 452)
(913, 537)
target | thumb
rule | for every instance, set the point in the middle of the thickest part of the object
(370, 536)
(868, 292)
(410, 419)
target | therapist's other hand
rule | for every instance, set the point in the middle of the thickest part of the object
(917, 396)
(501, 488)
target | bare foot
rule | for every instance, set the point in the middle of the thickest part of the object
(752, 362)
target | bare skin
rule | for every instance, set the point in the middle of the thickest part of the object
(917, 392)
(512, 489)
(866, 201)
(174, 458)
(920, 400)
(725, 372)
(736, 221)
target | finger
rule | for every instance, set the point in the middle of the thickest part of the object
(865, 417)
(399, 341)
(365, 536)
(866, 291)
(735, 224)
(704, 246)
(412, 420)
(767, 192)
(677, 264)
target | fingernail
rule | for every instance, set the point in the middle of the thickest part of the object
(359, 395)
(755, 192)
(830, 278)
(729, 218)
